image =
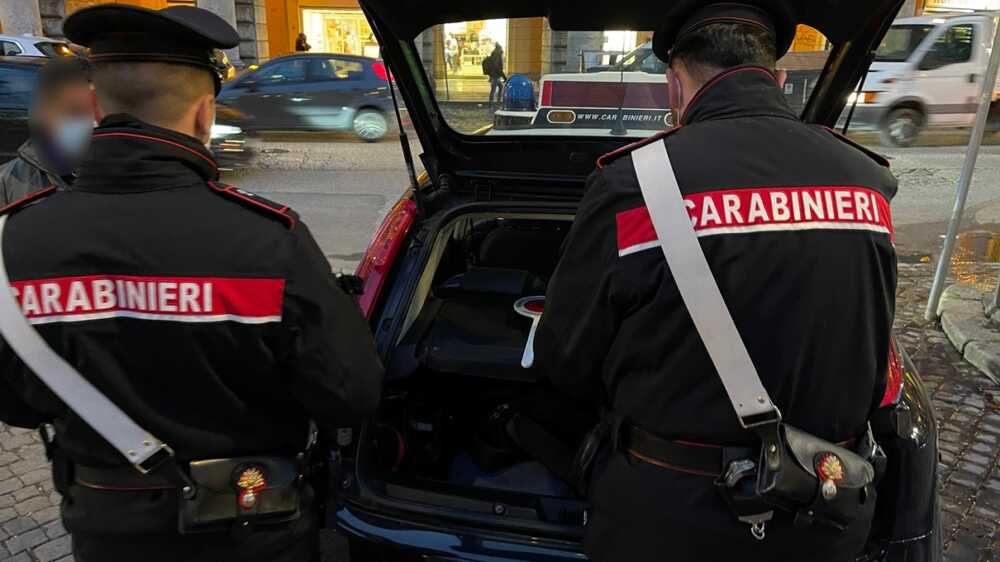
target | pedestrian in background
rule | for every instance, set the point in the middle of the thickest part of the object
(493, 67)
(301, 44)
(60, 124)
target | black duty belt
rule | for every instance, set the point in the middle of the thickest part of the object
(702, 459)
(124, 479)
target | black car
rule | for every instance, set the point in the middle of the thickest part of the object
(429, 479)
(314, 92)
(17, 79)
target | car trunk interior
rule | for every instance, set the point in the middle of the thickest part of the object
(460, 413)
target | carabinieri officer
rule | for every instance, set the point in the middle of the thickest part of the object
(207, 314)
(795, 224)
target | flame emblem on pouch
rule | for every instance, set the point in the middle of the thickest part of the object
(830, 470)
(250, 482)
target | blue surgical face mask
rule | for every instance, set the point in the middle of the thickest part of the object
(72, 137)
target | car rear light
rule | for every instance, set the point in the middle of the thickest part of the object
(382, 251)
(546, 94)
(562, 117)
(382, 72)
(894, 378)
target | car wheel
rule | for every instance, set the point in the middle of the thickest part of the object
(901, 127)
(370, 125)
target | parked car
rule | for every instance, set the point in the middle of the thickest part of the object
(17, 80)
(33, 46)
(928, 72)
(314, 92)
(481, 229)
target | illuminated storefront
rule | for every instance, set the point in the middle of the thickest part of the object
(960, 5)
(339, 31)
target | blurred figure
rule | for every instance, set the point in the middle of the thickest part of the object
(301, 44)
(493, 67)
(61, 123)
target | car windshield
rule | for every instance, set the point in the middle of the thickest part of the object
(900, 42)
(520, 77)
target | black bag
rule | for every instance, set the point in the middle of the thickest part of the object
(241, 493)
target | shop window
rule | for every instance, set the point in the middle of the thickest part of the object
(339, 31)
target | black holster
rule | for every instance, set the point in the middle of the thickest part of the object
(799, 473)
(223, 495)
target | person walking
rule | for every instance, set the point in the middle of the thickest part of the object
(493, 68)
(797, 235)
(207, 316)
(60, 124)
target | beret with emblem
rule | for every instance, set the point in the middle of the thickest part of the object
(178, 34)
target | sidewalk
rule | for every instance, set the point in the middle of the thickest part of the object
(971, 320)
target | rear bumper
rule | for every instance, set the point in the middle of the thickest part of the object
(401, 540)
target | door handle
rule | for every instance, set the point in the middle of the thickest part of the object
(973, 78)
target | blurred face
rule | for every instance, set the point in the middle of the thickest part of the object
(71, 102)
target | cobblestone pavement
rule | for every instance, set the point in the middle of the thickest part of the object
(967, 404)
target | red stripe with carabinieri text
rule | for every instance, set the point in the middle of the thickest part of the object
(173, 299)
(766, 209)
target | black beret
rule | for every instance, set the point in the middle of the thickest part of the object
(179, 34)
(691, 15)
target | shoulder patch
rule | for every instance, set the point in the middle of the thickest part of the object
(878, 158)
(29, 198)
(615, 154)
(277, 210)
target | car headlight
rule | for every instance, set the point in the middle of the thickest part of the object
(863, 97)
(225, 130)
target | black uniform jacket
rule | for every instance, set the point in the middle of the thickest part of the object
(796, 226)
(209, 315)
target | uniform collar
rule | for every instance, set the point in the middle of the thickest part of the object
(127, 154)
(743, 91)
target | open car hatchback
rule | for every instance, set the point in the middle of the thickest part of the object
(430, 479)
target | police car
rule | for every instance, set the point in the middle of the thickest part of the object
(432, 478)
(627, 98)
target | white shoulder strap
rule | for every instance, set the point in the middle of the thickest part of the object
(698, 287)
(136, 444)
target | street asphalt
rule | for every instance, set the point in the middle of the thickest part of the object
(342, 188)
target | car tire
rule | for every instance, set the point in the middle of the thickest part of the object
(901, 127)
(370, 125)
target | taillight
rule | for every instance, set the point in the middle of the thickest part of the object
(894, 378)
(382, 251)
(546, 94)
(381, 71)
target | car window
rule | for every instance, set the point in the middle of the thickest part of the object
(10, 48)
(53, 49)
(287, 71)
(336, 69)
(653, 65)
(900, 42)
(951, 47)
(15, 87)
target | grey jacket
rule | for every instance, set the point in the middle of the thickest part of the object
(25, 174)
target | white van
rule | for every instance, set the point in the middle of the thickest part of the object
(927, 72)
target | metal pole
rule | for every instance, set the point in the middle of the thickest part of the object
(965, 179)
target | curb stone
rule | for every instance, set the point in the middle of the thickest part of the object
(963, 310)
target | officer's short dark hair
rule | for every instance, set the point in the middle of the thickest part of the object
(155, 92)
(57, 74)
(716, 47)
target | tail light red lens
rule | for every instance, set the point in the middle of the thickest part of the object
(381, 71)
(546, 96)
(894, 378)
(382, 251)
